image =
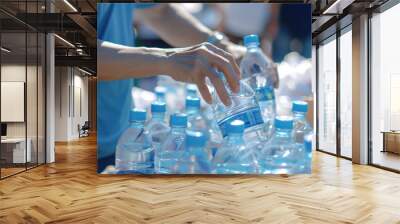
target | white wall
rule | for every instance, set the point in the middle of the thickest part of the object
(16, 73)
(33, 126)
(70, 83)
(62, 82)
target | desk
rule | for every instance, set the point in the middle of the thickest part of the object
(16, 147)
(391, 141)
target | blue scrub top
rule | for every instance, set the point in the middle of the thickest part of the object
(114, 99)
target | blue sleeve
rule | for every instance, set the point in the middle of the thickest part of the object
(145, 5)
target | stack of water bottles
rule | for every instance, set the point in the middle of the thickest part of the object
(246, 137)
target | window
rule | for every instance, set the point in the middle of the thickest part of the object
(385, 88)
(22, 87)
(346, 93)
(327, 96)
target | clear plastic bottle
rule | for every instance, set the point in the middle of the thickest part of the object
(172, 149)
(196, 159)
(258, 72)
(280, 154)
(301, 127)
(160, 92)
(134, 152)
(156, 126)
(256, 68)
(308, 153)
(266, 101)
(301, 131)
(235, 156)
(197, 121)
(191, 90)
(244, 107)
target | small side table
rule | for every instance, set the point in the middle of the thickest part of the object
(391, 141)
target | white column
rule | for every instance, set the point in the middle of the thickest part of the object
(50, 93)
(360, 90)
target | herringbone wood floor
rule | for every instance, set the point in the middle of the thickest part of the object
(70, 191)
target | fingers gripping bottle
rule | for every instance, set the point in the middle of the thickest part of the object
(244, 107)
(134, 149)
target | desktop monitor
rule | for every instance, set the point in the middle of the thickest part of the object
(3, 129)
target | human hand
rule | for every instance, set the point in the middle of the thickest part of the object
(195, 64)
(275, 75)
(238, 51)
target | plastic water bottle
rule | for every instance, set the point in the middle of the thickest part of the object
(301, 126)
(160, 94)
(235, 156)
(244, 107)
(191, 90)
(256, 68)
(280, 154)
(196, 159)
(257, 71)
(308, 153)
(266, 101)
(171, 150)
(134, 151)
(198, 121)
(157, 127)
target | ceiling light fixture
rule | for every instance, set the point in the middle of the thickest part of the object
(65, 41)
(337, 7)
(326, 11)
(5, 50)
(70, 5)
(84, 71)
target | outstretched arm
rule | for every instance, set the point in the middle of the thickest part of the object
(174, 25)
(192, 64)
(179, 28)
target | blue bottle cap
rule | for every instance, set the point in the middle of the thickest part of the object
(160, 91)
(236, 126)
(192, 102)
(284, 122)
(178, 120)
(137, 115)
(195, 139)
(251, 39)
(158, 107)
(299, 106)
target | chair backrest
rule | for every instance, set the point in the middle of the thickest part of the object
(86, 125)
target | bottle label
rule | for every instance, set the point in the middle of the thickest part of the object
(265, 94)
(251, 117)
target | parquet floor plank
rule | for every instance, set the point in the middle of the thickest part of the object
(70, 191)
